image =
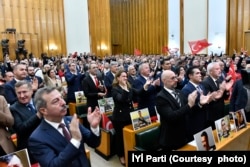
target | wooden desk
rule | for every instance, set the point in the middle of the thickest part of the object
(237, 141)
(129, 137)
(72, 110)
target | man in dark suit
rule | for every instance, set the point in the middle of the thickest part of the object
(173, 107)
(31, 76)
(146, 99)
(132, 76)
(20, 74)
(165, 65)
(109, 77)
(26, 119)
(239, 97)
(219, 90)
(93, 87)
(58, 140)
(74, 81)
(196, 119)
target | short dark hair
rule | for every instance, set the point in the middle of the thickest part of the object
(190, 71)
(204, 133)
(164, 60)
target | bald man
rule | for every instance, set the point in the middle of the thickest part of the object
(173, 111)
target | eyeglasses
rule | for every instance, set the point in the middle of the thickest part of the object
(173, 78)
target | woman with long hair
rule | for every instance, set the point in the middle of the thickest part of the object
(51, 80)
(122, 94)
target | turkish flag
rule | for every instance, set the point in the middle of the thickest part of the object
(74, 55)
(137, 52)
(165, 49)
(106, 123)
(232, 71)
(197, 46)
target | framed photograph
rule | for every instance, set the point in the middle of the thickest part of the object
(239, 118)
(205, 140)
(223, 128)
(232, 121)
(140, 118)
(158, 115)
(106, 104)
(18, 158)
(80, 97)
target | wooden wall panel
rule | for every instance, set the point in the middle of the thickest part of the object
(237, 23)
(140, 24)
(15, 15)
(99, 25)
(39, 22)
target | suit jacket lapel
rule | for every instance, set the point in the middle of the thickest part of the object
(92, 83)
(172, 99)
(53, 134)
(213, 84)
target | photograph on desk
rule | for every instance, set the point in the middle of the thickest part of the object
(140, 118)
(106, 104)
(16, 159)
(223, 128)
(205, 140)
(80, 97)
(239, 119)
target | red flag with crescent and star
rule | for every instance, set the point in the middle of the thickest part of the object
(165, 49)
(199, 45)
(137, 52)
(106, 123)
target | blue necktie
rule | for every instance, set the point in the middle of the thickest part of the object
(31, 108)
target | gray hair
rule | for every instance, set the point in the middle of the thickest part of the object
(39, 101)
(113, 63)
(131, 67)
(23, 82)
(210, 66)
(141, 66)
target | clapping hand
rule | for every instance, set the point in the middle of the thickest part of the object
(34, 84)
(205, 99)
(217, 94)
(74, 128)
(94, 117)
(229, 85)
(156, 82)
(191, 98)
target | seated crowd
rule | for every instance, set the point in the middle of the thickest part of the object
(188, 92)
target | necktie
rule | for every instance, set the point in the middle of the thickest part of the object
(217, 83)
(177, 98)
(222, 75)
(31, 108)
(65, 131)
(199, 89)
(96, 82)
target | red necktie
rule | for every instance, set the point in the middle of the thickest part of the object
(96, 82)
(65, 131)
